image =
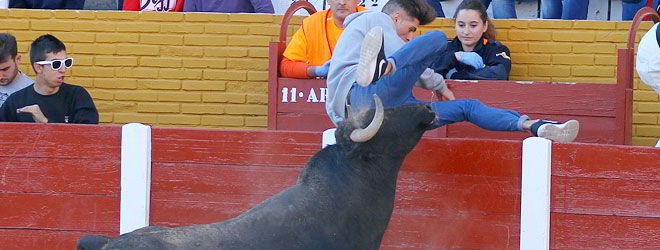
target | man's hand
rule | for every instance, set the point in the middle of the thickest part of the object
(322, 71)
(470, 58)
(37, 115)
(446, 95)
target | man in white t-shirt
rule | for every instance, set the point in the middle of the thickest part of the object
(648, 58)
(11, 79)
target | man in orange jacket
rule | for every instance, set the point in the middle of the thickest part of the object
(310, 49)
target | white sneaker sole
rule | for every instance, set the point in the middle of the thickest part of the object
(368, 55)
(565, 132)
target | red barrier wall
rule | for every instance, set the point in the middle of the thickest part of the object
(60, 182)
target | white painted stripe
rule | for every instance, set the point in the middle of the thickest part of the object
(535, 194)
(328, 137)
(135, 177)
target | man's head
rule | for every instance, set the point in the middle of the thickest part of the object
(408, 15)
(9, 59)
(49, 60)
(342, 8)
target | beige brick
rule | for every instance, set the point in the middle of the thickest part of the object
(258, 52)
(73, 14)
(551, 24)
(116, 38)
(114, 106)
(137, 50)
(202, 109)
(529, 35)
(518, 70)
(225, 52)
(82, 60)
(15, 24)
(204, 85)
(31, 13)
(118, 15)
(246, 109)
(644, 141)
(249, 40)
(247, 64)
(257, 75)
(179, 119)
(138, 73)
(228, 28)
(206, 17)
(205, 40)
(600, 71)
(95, 26)
(161, 16)
(247, 87)
(252, 18)
(165, 62)
(179, 97)
(74, 37)
(649, 119)
(214, 63)
(257, 99)
(594, 25)
(158, 84)
(572, 36)
(594, 48)
(647, 107)
(644, 130)
(222, 120)
(139, 27)
(224, 97)
(190, 51)
(590, 79)
(187, 28)
(51, 25)
(573, 59)
(84, 82)
(610, 36)
(236, 75)
(159, 39)
(549, 70)
(110, 83)
(158, 108)
(93, 49)
(194, 74)
(511, 23)
(538, 59)
(265, 29)
(517, 47)
(605, 60)
(121, 118)
(259, 121)
(98, 94)
(115, 61)
(641, 95)
(133, 95)
(92, 72)
(105, 118)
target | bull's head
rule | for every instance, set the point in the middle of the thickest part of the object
(391, 129)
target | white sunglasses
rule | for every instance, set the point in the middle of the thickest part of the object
(57, 64)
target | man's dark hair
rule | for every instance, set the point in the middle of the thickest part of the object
(43, 45)
(418, 9)
(7, 47)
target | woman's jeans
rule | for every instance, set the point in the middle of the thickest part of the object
(502, 9)
(396, 89)
(565, 9)
(629, 9)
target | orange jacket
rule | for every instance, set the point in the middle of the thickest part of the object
(311, 45)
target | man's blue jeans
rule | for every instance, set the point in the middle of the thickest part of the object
(630, 9)
(565, 9)
(502, 9)
(396, 89)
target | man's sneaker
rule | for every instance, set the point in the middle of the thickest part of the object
(556, 131)
(372, 63)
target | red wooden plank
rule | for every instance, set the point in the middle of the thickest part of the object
(48, 175)
(60, 140)
(601, 196)
(22, 239)
(59, 211)
(574, 231)
(606, 161)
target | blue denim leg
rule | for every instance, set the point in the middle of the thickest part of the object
(551, 9)
(502, 8)
(422, 49)
(630, 9)
(474, 111)
(575, 9)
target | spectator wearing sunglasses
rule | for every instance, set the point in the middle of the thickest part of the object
(49, 99)
(11, 78)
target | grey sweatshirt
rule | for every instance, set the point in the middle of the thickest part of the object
(342, 73)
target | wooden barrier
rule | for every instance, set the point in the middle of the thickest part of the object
(604, 110)
(60, 182)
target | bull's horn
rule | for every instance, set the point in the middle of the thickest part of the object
(365, 134)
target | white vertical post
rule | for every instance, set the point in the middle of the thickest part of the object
(658, 145)
(135, 177)
(328, 137)
(535, 194)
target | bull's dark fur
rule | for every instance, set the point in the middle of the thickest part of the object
(343, 199)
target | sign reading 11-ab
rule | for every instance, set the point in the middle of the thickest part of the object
(313, 95)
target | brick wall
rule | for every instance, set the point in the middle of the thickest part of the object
(210, 70)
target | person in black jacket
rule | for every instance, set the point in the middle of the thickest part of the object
(47, 4)
(473, 54)
(49, 99)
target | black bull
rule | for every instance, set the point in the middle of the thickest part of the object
(343, 199)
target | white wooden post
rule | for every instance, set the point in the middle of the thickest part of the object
(135, 177)
(535, 194)
(328, 137)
